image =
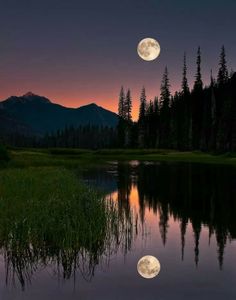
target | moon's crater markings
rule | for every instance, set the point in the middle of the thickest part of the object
(148, 49)
(148, 267)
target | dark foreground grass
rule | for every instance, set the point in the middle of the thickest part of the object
(43, 198)
(77, 157)
(48, 216)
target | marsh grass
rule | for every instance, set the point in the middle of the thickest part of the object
(49, 217)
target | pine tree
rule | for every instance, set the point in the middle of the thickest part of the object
(165, 111)
(175, 122)
(121, 123)
(223, 105)
(156, 116)
(165, 90)
(185, 87)
(223, 75)
(197, 105)
(184, 112)
(121, 106)
(213, 115)
(142, 119)
(143, 106)
(128, 107)
(128, 119)
(198, 77)
(156, 106)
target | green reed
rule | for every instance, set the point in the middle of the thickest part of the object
(48, 216)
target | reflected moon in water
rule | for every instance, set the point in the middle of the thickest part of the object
(148, 267)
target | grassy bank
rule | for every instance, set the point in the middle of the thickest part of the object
(47, 215)
(76, 157)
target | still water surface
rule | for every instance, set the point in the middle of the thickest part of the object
(184, 214)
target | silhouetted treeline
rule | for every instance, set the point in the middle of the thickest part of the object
(89, 136)
(203, 118)
(92, 137)
(17, 139)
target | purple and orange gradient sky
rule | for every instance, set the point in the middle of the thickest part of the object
(77, 52)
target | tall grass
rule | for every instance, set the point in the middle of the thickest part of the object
(48, 216)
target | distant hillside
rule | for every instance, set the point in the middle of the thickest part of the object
(9, 125)
(41, 115)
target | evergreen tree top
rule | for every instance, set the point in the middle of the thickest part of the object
(185, 87)
(143, 105)
(223, 75)
(165, 87)
(121, 105)
(198, 84)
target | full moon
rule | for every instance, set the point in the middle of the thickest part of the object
(148, 267)
(149, 49)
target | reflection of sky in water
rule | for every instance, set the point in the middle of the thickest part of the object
(180, 278)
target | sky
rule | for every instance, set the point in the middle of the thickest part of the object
(76, 52)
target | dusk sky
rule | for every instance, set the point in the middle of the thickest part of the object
(76, 52)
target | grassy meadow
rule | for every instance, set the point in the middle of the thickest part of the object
(72, 158)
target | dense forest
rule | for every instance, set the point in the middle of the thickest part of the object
(85, 137)
(202, 118)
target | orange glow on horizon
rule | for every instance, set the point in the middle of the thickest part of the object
(75, 99)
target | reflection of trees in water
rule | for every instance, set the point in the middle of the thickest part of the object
(199, 194)
(125, 179)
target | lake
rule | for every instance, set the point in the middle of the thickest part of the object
(184, 214)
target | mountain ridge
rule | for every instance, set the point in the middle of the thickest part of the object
(43, 116)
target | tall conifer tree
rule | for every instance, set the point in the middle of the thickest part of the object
(197, 104)
(121, 106)
(223, 75)
(185, 87)
(143, 106)
(128, 106)
(198, 84)
(165, 111)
